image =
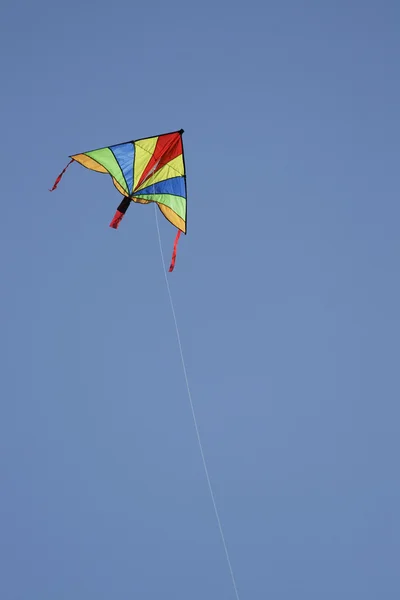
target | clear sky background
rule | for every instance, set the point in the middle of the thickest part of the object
(286, 290)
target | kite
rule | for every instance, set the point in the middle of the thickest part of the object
(146, 170)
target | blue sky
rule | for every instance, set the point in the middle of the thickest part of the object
(286, 290)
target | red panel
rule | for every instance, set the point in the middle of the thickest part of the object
(167, 148)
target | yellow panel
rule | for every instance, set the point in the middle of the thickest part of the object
(119, 188)
(172, 217)
(89, 163)
(144, 150)
(140, 201)
(174, 168)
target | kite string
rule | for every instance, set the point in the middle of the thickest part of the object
(194, 413)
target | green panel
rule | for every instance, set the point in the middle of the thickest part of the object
(176, 203)
(106, 158)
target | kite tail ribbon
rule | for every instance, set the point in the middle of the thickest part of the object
(119, 215)
(172, 265)
(57, 181)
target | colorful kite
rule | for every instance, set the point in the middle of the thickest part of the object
(146, 170)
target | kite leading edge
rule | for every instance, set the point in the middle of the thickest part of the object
(143, 171)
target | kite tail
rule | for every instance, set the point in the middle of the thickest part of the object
(119, 215)
(57, 181)
(172, 265)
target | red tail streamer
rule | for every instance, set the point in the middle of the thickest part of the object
(172, 265)
(57, 181)
(117, 219)
(121, 210)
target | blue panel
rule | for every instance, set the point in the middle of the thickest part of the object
(175, 186)
(124, 153)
